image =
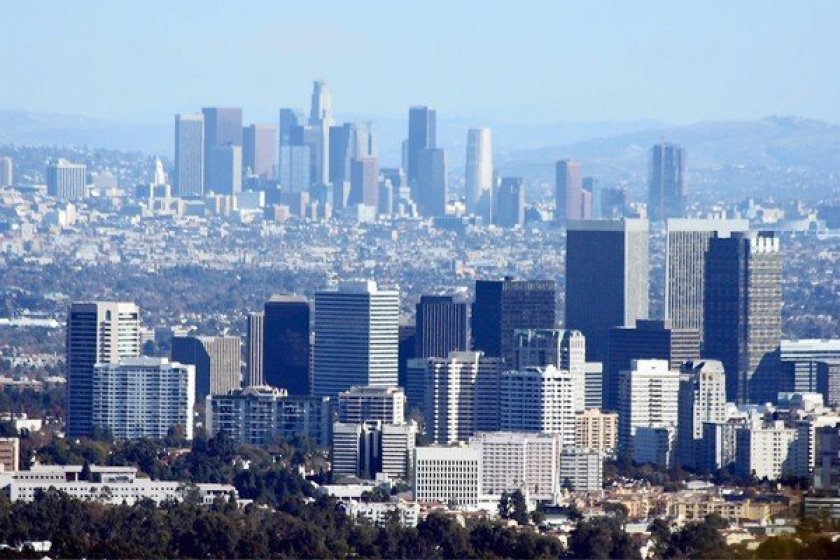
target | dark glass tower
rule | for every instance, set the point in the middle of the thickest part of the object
(606, 279)
(422, 135)
(286, 344)
(667, 190)
(503, 306)
(743, 314)
(441, 327)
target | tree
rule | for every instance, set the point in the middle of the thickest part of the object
(602, 538)
(513, 506)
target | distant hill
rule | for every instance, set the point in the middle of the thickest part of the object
(773, 142)
(30, 128)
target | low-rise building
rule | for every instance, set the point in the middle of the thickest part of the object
(581, 469)
(449, 475)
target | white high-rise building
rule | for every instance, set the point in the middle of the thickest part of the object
(564, 349)
(519, 461)
(538, 399)
(461, 396)
(702, 398)
(685, 267)
(479, 173)
(449, 475)
(647, 397)
(97, 333)
(765, 450)
(356, 332)
(7, 178)
(189, 154)
(66, 180)
(397, 449)
(581, 469)
(360, 404)
(143, 397)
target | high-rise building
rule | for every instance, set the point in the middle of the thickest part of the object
(510, 203)
(667, 187)
(348, 142)
(702, 399)
(685, 266)
(801, 360)
(421, 136)
(606, 279)
(259, 148)
(217, 361)
(479, 173)
(430, 181)
(321, 107)
(223, 169)
(356, 338)
(538, 399)
(289, 118)
(461, 396)
(502, 306)
(441, 327)
(7, 178)
(10, 453)
(189, 154)
(362, 404)
(554, 347)
(286, 343)
(592, 187)
(449, 475)
(764, 451)
(97, 333)
(222, 127)
(257, 415)
(143, 398)
(364, 182)
(66, 181)
(743, 314)
(254, 340)
(597, 430)
(294, 168)
(568, 191)
(513, 461)
(581, 469)
(647, 340)
(648, 397)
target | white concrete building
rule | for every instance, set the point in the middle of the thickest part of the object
(565, 349)
(360, 404)
(449, 475)
(702, 398)
(581, 469)
(143, 397)
(538, 399)
(461, 396)
(519, 461)
(648, 396)
(765, 450)
(111, 485)
(397, 445)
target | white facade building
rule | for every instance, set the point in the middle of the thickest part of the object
(565, 349)
(360, 404)
(519, 461)
(356, 331)
(479, 173)
(765, 450)
(143, 397)
(581, 469)
(648, 396)
(702, 398)
(538, 400)
(450, 475)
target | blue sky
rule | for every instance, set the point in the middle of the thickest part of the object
(675, 61)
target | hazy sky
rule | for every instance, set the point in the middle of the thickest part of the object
(673, 61)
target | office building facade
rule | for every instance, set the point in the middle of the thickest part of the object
(217, 361)
(189, 155)
(286, 346)
(441, 327)
(66, 180)
(667, 186)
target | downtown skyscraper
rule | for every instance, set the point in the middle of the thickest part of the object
(479, 173)
(189, 154)
(222, 149)
(99, 332)
(568, 191)
(607, 279)
(743, 314)
(667, 186)
(431, 182)
(441, 327)
(685, 267)
(356, 329)
(259, 148)
(422, 135)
